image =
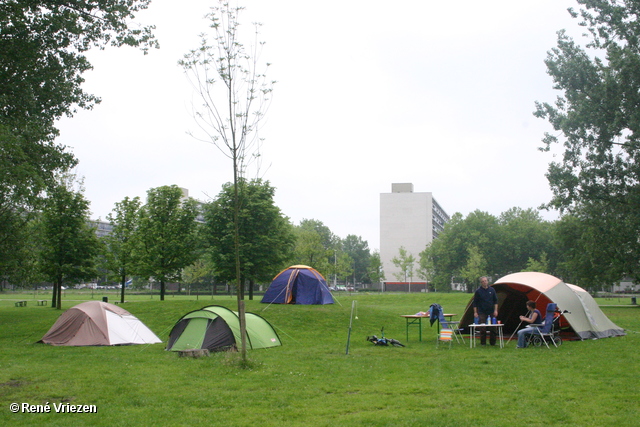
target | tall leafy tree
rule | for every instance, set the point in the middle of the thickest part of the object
(540, 265)
(328, 239)
(316, 246)
(200, 274)
(42, 47)
(167, 233)
(444, 255)
(596, 121)
(121, 243)
(588, 255)
(309, 249)
(341, 266)
(475, 267)
(266, 235)
(450, 252)
(26, 171)
(234, 93)
(358, 250)
(405, 261)
(376, 272)
(69, 244)
(20, 263)
(12, 237)
(426, 270)
(524, 235)
(42, 60)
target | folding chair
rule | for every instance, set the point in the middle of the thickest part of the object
(436, 313)
(546, 331)
(455, 327)
(445, 336)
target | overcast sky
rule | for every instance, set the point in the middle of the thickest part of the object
(369, 93)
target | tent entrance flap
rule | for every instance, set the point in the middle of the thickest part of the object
(218, 335)
(290, 296)
(191, 336)
(201, 332)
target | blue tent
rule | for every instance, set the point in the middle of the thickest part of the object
(298, 284)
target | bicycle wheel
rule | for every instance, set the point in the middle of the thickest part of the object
(537, 340)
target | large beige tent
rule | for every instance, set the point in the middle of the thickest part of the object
(585, 320)
(98, 323)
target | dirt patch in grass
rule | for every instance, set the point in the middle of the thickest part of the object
(14, 383)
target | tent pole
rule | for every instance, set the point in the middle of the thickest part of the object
(517, 327)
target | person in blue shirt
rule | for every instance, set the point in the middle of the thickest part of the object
(533, 316)
(485, 305)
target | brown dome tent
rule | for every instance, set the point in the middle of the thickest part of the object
(98, 323)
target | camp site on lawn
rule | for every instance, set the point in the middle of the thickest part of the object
(583, 320)
(309, 380)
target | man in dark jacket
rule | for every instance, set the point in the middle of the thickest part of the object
(485, 306)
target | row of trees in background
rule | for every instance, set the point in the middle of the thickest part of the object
(347, 260)
(482, 244)
(161, 240)
(58, 243)
(517, 240)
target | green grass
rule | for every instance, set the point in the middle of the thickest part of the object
(310, 381)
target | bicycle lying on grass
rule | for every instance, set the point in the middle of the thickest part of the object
(384, 341)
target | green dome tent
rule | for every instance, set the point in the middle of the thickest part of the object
(217, 328)
(585, 320)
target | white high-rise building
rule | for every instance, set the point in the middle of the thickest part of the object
(410, 220)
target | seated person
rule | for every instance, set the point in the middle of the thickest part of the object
(533, 316)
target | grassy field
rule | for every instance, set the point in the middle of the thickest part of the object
(310, 381)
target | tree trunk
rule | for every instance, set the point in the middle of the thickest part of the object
(236, 229)
(54, 296)
(124, 280)
(243, 329)
(59, 305)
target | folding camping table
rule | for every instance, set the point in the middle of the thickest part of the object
(416, 320)
(472, 331)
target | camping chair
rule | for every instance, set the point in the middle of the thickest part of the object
(547, 331)
(436, 313)
(445, 336)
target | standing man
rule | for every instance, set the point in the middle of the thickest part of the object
(485, 305)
